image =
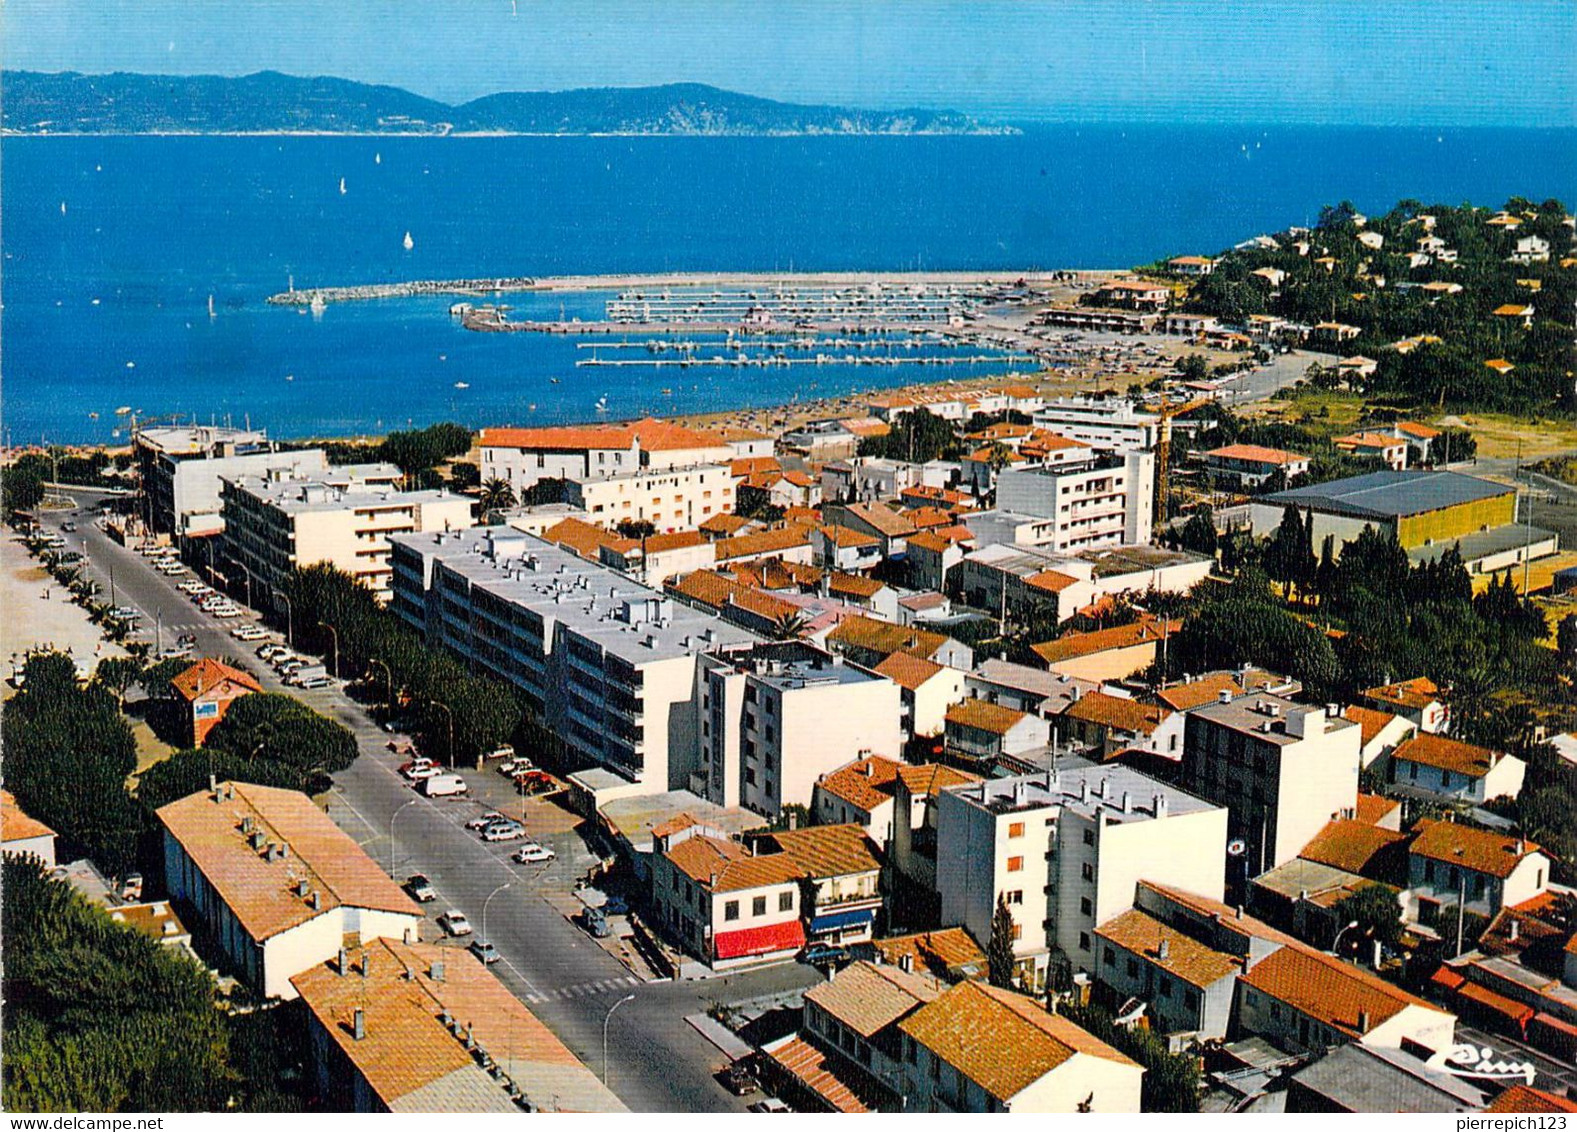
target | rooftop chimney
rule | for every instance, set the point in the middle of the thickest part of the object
(1160, 805)
(359, 1024)
(342, 963)
(1163, 950)
(366, 964)
(1363, 1021)
(1224, 696)
(906, 963)
(1513, 930)
(316, 901)
(1127, 802)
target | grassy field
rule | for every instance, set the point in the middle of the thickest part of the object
(1499, 435)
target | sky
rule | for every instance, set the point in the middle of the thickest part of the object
(1374, 62)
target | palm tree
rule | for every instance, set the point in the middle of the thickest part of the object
(789, 627)
(496, 495)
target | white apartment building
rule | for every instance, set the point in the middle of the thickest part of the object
(344, 517)
(609, 664)
(1104, 502)
(1113, 425)
(1065, 848)
(183, 467)
(524, 456)
(776, 717)
(670, 498)
(1284, 769)
(277, 885)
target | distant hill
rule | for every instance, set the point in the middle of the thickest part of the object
(270, 102)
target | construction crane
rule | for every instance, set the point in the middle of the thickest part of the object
(1163, 452)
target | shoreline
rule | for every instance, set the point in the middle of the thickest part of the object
(555, 284)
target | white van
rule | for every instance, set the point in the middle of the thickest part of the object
(442, 786)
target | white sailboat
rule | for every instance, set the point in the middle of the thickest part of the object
(318, 304)
(342, 186)
(62, 208)
(409, 243)
(602, 403)
(377, 159)
(210, 306)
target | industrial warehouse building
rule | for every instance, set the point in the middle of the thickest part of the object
(1427, 511)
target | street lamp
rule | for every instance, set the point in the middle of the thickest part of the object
(449, 715)
(1337, 941)
(396, 814)
(388, 677)
(606, 1019)
(290, 632)
(334, 636)
(489, 900)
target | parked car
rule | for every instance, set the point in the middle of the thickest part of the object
(740, 1078)
(68, 526)
(131, 887)
(596, 923)
(509, 766)
(533, 854)
(420, 888)
(442, 785)
(485, 951)
(535, 782)
(312, 683)
(247, 633)
(504, 831)
(420, 773)
(417, 761)
(770, 1104)
(482, 821)
(824, 955)
(455, 923)
(502, 751)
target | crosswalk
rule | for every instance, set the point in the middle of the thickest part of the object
(586, 990)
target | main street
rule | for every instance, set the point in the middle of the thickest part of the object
(656, 1061)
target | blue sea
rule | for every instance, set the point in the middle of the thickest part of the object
(105, 301)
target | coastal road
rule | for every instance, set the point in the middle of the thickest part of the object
(656, 1061)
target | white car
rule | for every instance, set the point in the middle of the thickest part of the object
(248, 633)
(454, 922)
(533, 854)
(417, 773)
(225, 612)
(482, 821)
(504, 831)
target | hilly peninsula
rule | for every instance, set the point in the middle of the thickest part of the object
(269, 102)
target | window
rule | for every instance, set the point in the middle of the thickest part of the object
(1429, 871)
(1016, 829)
(1084, 941)
(731, 910)
(1089, 837)
(1018, 932)
(1412, 771)
(785, 901)
(758, 906)
(1015, 897)
(1133, 968)
(1086, 906)
(1087, 871)
(1015, 864)
(1110, 958)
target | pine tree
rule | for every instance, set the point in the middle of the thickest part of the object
(999, 952)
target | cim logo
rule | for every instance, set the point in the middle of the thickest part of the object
(1483, 1062)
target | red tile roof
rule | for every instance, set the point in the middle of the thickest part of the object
(207, 674)
(1255, 453)
(1352, 846)
(1526, 1099)
(1073, 645)
(1370, 721)
(1338, 994)
(1118, 713)
(1476, 849)
(1447, 754)
(16, 824)
(983, 716)
(1417, 693)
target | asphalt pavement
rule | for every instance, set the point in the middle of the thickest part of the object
(656, 1062)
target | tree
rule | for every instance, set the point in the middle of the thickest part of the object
(22, 486)
(789, 627)
(1375, 910)
(496, 495)
(1193, 367)
(635, 528)
(463, 475)
(999, 952)
(1171, 1081)
(101, 1018)
(274, 728)
(118, 674)
(1199, 533)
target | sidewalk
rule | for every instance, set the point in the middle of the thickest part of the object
(30, 621)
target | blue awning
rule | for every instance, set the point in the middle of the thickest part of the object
(835, 920)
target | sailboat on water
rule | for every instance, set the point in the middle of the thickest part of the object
(409, 243)
(210, 306)
(342, 186)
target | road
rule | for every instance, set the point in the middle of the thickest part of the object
(656, 1061)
